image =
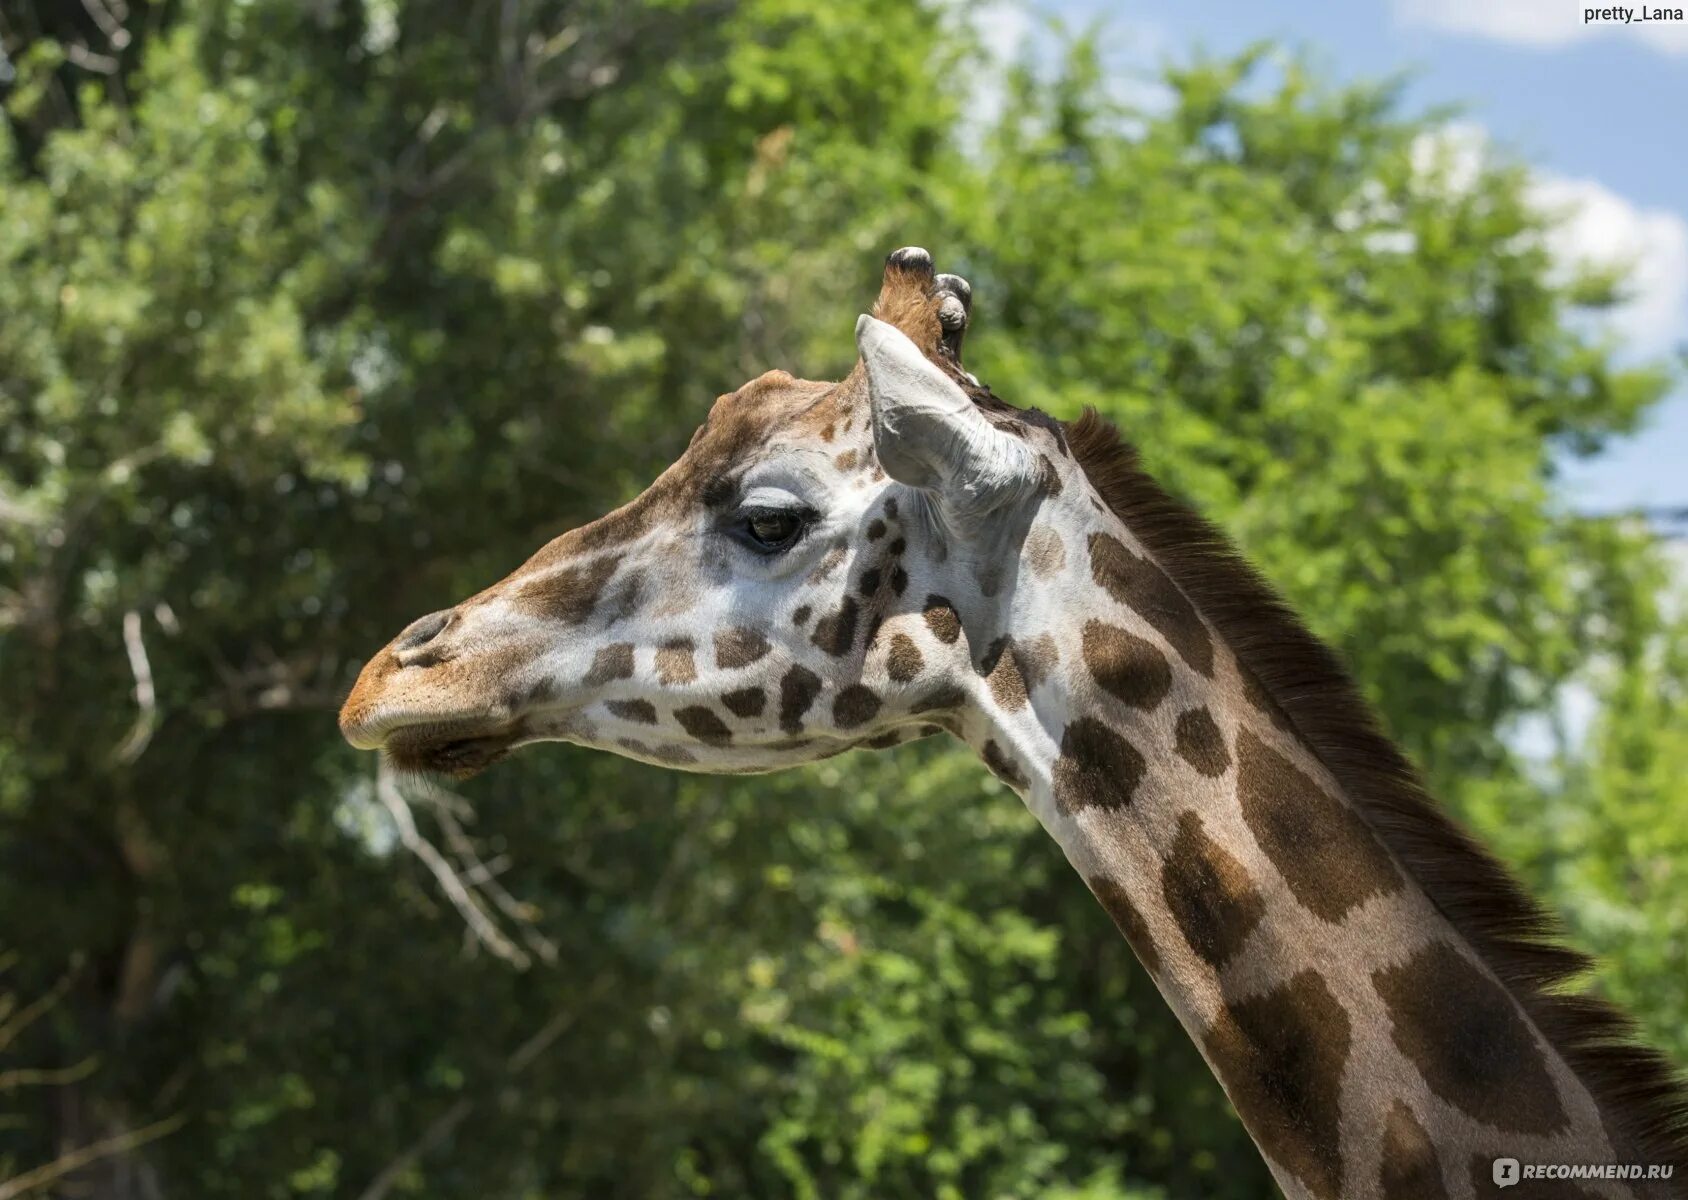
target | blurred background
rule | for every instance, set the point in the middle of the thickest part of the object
(319, 314)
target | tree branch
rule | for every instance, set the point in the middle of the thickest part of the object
(462, 895)
(132, 746)
(75, 1160)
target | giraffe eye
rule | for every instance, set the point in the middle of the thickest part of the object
(773, 529)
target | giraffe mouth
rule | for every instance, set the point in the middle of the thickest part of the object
(456, 751)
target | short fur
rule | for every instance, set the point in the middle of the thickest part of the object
(1634, 1085)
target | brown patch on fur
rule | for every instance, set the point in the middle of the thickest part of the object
(855, 705)
(1097, 769)
(1002, 766)
(1001, 669)
(798, 689)
(801, 616)
(837, 633)
(845, 461)
(614, 661)
(640, 711)
(1038, 657)
(568, 595)
(674, 661)
(1200, 742)
(904, 661)
(942, 620)
(1330, 858)
(1144, 588)
(1467, 1037)
(828, 564)
(1209, 894)
(1280, 1056)
(703, 724)
(1411, 1169)
(1048, 478)
(1127, 920)
(626, 598)
(1127, 667)
(738, 647)
(943, 698)
(1634, 1085)
(1045, 551)
(747, 702)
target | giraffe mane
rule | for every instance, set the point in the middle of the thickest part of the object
(1520, 941)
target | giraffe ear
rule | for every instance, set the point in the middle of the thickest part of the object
(929, 435)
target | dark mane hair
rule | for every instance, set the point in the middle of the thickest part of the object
(1636, 1088)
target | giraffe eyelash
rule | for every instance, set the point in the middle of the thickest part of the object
(771, 530)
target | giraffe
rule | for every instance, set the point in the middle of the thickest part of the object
(839, 565)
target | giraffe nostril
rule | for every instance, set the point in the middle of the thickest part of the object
(422, 631)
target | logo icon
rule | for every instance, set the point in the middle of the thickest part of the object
(1506, 1172)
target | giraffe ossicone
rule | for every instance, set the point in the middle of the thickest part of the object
(832, 566)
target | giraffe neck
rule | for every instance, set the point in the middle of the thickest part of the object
(1367, 1047)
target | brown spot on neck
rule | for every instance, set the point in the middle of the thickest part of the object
(904, 661)
(1045, 551)
(855, 705)
(1470, 1041)
(1410, 1168)
(611, 662)
(1097, 768)
(942, 620)
(836, 633)
(1209, 893)
(1127, 667)
(1144, 588)
(1200, 742)
(1001, 669)
(1280, 1056)
(1127, 920)
(1329, 857)
(1002, 766)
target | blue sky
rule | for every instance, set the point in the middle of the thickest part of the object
(1599, 112)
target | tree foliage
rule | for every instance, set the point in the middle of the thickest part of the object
(319, 316)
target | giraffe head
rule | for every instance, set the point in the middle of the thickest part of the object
(795, 585)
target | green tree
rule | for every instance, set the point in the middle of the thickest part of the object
(319, 316)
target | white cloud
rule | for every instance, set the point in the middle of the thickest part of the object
(1600, 227)
(1544, 23)
(1593, 227)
